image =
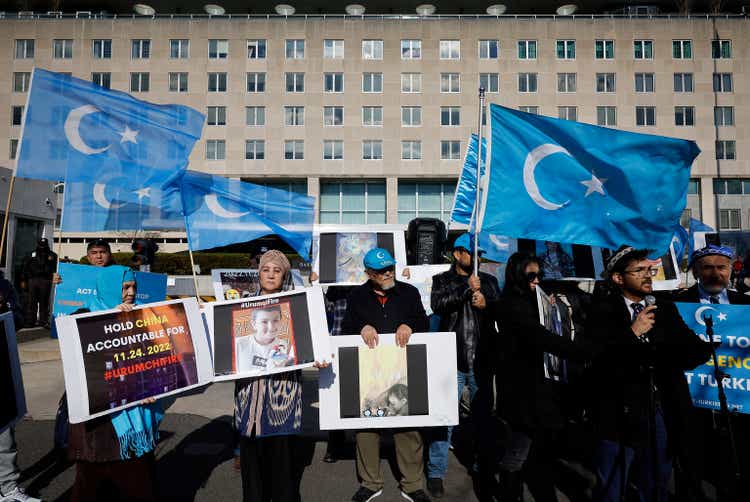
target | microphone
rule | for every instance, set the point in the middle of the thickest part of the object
(650, 300)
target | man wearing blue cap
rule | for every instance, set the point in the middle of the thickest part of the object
(385, 305)
(460, 298)
(712, 269)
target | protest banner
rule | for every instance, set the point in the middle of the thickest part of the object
(236, 283)
(556, 318)
(12, 397)
(730, 324)
(420, 276)
(390, 386)
(339, 251)
(267, 334)
(113, 359)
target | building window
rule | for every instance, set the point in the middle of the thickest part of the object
(256, 48)
(430, 199)
(294, 149)
(255, 149)
(694, 187)
(729, 219)
(178, 82)
(682, 49)
(411, 82)
(21, 81)
(722, 82)
(352, 203)
(566, 82)
(605, 82)
(643, 49)
(333, 49)
(723, 115)
(731, 186)
(179, 48)
(216, 149)
(684, 116)
(372, 149)
(16, 115)
(102, 79)
(450, 82)
(13, 149)
(721, 49)
(294, 115)
(527, 82)
(683, 82)
(566, 49)
(139, 82)
(450, 150)
(333, 149)
(450, 115)
(101, 49)
(217, 82)
(255, 115)
(333, 82)
(24, 49)
(372, 49)
(450, 49)
(489, 49)
(140, 49)
(372, 82)
(295, 82)
(726, 150)
(216, 116)
(333, 115)
(218, 49)
(644, 82)
(295, 49)
(411, 150)
(567, 112)
(490, 82)
(527, 49)
(534, 110)
(372, 116)
(645, 115)
(256, 82)
(62, 49)
(606, 116)
(604, 49)
(411, 49)
(411, 116)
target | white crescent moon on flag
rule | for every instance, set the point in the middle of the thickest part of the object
(102, 200)
(699, 314)
(529, 181)
(212, 203)
(72, 122)
(500, 244)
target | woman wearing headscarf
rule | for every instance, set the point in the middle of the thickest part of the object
(268, 411)
(527, 399)
(114, 454)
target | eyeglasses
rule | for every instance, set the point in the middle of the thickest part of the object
(384, 271)
(531, 276)
(643, 271)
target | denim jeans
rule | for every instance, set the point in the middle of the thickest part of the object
(437, 463)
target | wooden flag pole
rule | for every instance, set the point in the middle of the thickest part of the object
(195, 277)
(7, 215)
(479, 182)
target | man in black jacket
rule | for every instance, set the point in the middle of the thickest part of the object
(642, 403)
(460, 299)
(37, 280)
(385, 305)
(712, 269)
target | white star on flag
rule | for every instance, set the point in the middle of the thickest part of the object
(143, 192)
(594, 185)
(722, 316)
(128, 135)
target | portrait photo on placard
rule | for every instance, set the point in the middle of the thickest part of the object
(236, 284)
(263, 337)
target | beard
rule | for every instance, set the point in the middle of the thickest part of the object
(385, 286)
(466, 269)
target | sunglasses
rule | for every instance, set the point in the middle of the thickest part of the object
(383, 271)
(531, 276)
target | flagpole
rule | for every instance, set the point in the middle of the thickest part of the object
(190, 247)
(475, 214)
(7, 215)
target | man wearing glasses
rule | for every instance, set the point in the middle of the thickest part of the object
(641, 405)
(712, 269)
(385, 305)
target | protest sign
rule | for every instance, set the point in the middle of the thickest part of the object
(12, 397)
(267, 334)
(390, 386)
(420, 276)
(236, 283)
(113, 359)
(730, 328)
(556, 319)
(339, 251)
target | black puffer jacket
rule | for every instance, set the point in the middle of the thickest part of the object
(451, 300)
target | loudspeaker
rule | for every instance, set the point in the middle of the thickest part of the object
(425, 240)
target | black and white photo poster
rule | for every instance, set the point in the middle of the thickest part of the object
(13, 399)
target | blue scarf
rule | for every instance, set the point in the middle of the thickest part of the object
(137, 428)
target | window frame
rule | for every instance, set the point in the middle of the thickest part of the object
(255, 115)
(179, 75)
(257, 153)
(527, 45)
(372, 77)
(140, 48)
(292, 48)
(604, 43)
(218, 77)
(647, 49)
(568, 53)
(489, 42)
(332, 52)
(376, 47)
(330, 114)
(220, 149)
(260, 45)
(259, 80)
(182, 46)
(407, 52)
(450, 45)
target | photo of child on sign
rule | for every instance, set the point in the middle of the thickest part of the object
(264, 338)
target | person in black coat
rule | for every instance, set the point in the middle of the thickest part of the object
(528, 393)
(641, 404)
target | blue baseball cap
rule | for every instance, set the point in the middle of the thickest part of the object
(466, 241)
(378, 259)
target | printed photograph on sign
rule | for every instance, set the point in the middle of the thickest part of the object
(263, 338)
(350, 252)
(557, 259)
(383, 381)
(420, 276)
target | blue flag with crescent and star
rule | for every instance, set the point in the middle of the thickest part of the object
(466, 188)
(75, 130)
(221, 211)
(730, 328)
(564, 181)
